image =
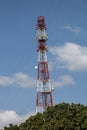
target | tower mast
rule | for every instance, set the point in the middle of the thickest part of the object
(44, 87)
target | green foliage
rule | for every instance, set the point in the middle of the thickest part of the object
(11, 127)
(63, 116)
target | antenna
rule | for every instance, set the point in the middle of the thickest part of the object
(44, 87)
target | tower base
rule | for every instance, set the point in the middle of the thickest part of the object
(43, 100)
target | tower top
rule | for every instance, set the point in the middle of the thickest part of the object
(41, 23)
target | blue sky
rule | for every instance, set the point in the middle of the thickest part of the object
(67, 54)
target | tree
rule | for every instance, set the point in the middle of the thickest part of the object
(63, 116)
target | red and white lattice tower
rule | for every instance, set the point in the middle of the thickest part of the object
(44, 87)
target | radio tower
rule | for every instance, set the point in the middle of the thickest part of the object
(44, 87)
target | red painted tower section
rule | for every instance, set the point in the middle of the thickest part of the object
(44, 87)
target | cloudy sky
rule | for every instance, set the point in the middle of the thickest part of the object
(67, 54)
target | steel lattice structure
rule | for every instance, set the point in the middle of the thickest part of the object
(44, 87)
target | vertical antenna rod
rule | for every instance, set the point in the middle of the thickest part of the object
(44, 87)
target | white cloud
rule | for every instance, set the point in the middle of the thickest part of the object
(70, 56)
(19, 79)
(64, 80)
(11, 117)
(73, 29)
(6, 80)
(24, 80)
(51, 64)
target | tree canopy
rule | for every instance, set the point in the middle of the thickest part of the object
(63, 116)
